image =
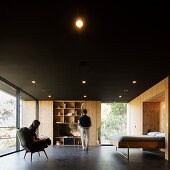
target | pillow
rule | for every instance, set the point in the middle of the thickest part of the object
(152, 133)
(161, 134)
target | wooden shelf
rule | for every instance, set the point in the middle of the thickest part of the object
(65, 107)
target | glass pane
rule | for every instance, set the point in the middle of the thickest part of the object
(114, 121)
(7, 110)
(7, 119)
(6, 133)
(7, 145)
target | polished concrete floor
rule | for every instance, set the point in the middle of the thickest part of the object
(96, 158)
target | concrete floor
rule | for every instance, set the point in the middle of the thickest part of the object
(97, 158)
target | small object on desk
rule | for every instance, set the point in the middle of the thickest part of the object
(69, 114)
(82, 105)
(57, 142)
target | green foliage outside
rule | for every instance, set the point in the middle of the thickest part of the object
(7, 119)
(114, 120)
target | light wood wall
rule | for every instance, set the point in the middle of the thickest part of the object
(151, 119)
(136, 117)
(162, 115)
(94, 112)
(28, 113)
(46, 118)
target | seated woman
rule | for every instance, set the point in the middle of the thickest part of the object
(40, 143)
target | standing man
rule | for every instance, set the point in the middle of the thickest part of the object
(84, 124)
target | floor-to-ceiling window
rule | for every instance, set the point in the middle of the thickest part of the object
(113, 120)
(17, 109)
(7, 119)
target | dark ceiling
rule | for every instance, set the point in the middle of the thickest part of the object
(119, 43)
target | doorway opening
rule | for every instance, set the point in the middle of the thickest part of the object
(113, 121)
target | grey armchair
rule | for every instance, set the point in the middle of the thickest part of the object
(27, 142)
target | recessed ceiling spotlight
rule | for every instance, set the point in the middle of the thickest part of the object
(79, 23)
(49, 96)
(125, 90)
(120, 96)
(134, 82)
(33, 82)
(85, 96)
(84, 82)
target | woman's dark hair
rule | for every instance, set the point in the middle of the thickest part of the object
(35, 124)
(84, 111)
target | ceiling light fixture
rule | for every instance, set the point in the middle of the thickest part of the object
(134, 82)
(85, 96)
(79, 23)
(49, 96)
(120, 96)
(83, 82)
(33, 82)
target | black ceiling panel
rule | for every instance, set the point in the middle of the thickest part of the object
(118, 44)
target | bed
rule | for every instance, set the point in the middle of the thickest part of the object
(153, 140)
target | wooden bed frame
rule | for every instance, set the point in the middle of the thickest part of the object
(143, 145)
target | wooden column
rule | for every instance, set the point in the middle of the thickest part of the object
(94, 112)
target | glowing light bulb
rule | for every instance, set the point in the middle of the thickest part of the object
(79, 23)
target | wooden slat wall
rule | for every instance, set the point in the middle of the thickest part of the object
(28, 113)
(135, 111)
(46, 118)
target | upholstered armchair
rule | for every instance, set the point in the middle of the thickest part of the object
(27, 142)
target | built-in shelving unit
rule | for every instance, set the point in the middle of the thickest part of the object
(66, 113)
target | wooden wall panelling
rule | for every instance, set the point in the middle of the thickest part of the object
(151, 112)
(46, 118)
(135, 111)
(28, 113)
(162, 117)
(135, 117)
(91, 107)
(167, 123)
